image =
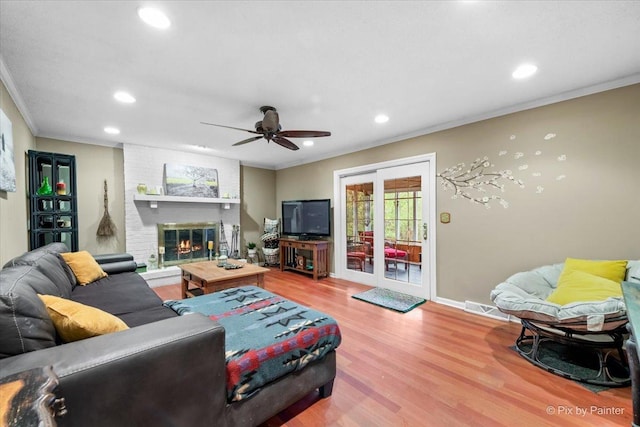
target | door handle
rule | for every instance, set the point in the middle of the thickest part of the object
(425, 231)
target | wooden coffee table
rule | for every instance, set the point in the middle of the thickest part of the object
(206, 277)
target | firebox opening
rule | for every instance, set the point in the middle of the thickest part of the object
(189, 242)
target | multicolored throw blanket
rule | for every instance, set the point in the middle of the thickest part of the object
(267, 336)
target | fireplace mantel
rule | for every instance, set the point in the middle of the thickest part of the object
(154, 199)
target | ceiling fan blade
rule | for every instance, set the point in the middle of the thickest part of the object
(253, 138)
(231, 127)
(304, 133)
(285, 143)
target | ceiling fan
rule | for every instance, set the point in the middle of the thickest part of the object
(269, 128)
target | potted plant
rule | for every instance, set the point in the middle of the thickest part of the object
(251, 249)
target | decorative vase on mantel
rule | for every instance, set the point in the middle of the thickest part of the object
(142, 188)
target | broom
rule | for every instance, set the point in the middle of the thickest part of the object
(106, 228)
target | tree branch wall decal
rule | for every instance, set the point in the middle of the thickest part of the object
(481, 183)
(474, 183)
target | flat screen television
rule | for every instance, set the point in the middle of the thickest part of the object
(306, 218)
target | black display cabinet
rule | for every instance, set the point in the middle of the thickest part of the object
(53, 204)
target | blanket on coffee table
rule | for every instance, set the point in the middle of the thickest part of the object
(267, 336)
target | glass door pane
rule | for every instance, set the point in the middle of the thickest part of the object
(359, 226)
(402, 219)
(354, 238)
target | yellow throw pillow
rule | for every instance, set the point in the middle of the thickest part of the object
(612, 270)
(574, 286)
(84, 266)
(74, 321)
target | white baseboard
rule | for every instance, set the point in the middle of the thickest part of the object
(449, 302)
(477, 308)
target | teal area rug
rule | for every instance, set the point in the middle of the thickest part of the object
(577, 362)
(390, 299)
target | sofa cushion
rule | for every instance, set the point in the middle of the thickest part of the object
(25, 324)
(54, 248)
(147, 315)
(50, 263)
(125, 295)
(74, 321)
(84, 266)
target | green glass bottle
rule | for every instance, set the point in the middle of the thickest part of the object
(45, 187)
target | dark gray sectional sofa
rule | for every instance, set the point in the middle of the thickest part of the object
(165, 370)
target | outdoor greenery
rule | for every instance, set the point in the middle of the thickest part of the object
(402, 213)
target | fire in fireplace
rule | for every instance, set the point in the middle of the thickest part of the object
(188, 242)
(184, 247)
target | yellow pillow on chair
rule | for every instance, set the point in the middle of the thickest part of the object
(612, 270)
(574, 286)
(74, 321)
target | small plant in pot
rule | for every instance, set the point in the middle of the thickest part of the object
(251, 248)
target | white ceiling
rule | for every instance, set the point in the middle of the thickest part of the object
(326, 65)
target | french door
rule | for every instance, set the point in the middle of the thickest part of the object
(383, 233)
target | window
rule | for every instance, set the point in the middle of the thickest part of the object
(402, 209)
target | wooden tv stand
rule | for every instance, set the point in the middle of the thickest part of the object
(290, 259)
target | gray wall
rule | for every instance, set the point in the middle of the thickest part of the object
(258, 189)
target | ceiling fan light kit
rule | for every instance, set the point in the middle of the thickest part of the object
(269, 128)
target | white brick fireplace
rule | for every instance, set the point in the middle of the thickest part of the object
(145, 165)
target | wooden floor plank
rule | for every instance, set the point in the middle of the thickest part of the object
(433, 366)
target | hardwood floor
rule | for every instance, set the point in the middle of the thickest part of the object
(433, 366)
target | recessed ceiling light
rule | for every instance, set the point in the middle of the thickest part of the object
(154, 17)
(111, 130)
(524, 71)
(381, 118)
(307, 143)
(124, 97)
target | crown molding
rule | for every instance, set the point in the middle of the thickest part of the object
(6, 78)
(77, 140)
(257, 165)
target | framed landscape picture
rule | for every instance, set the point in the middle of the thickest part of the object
(7, 164)
(190, 181)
